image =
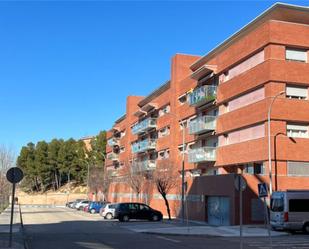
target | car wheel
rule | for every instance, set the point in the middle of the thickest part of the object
(306, 228)
(155, 217)
(109, 216)
(125, 218)
(92, 211)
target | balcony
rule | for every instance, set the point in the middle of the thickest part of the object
(202, 124)
(202, 95)
(144, 126)
(112, 142)
(203, 154)
(144, 165)
(112, 156)
(144, 145)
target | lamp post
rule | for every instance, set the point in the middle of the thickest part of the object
(269, 142)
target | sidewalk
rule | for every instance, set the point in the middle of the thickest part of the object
(223, 231)
(18, 242)
(200, 229)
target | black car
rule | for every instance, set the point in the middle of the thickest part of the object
(130, 210)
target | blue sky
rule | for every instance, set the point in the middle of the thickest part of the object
(67, 67)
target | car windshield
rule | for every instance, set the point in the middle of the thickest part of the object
(277, 205)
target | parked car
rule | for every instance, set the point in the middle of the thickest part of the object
(73, 204)
(289, 210)
(68, 204)
(130, 210)
(85, 209)
(108, 211)
(94, 207)
(80, 205)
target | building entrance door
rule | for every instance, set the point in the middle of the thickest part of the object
(218, 210)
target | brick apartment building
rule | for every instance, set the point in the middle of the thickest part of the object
(221, 100)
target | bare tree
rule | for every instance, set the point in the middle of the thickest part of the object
(166, 178)
(6, 161)
(135, 177)
(96, 179)
(107, 180)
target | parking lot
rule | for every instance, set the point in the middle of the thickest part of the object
(60, 227)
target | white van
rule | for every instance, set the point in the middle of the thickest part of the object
(289, 210)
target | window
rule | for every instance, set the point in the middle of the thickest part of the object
(277, 205)
(254, 169)
(164, 110)
(293, 54)
(123, 133)
(143, 207)
(299, 205)
(182, 149)
(296, 92)
(242, 67)
(163, 154)
(183, 124)
(298, 169)
(164, 131)
(296, 130)
(122, 149)
(182, 99)
(246, 99)
(242, 135)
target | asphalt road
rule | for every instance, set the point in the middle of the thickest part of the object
(62, 228)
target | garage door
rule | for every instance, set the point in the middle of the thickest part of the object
(218, 210)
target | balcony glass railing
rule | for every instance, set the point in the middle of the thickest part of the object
(144, 125)
(202, 95)
(144, 165)
(112, 142)
(143, 145)
(203, 154)
(202, 124)
(112, 156)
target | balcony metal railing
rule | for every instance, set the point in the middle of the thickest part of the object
(143, 145)
(202, 124)
(202, 154)
(202, 95)
(144, 165)
(112, 142)
(112, 156)
(144, 125)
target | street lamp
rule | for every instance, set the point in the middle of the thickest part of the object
(269, 142)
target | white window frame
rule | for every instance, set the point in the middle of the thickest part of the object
(295, 54)
(296, 92)
(297, 130)
(182, 96)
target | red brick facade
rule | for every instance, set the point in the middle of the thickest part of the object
(227, 120)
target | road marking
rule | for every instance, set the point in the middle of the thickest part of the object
(168, 239)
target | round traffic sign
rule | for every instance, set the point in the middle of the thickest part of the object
(14, 175)
(240, 183)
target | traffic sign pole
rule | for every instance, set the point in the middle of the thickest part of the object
(240, 213)
(267, 222)
(13, 175)
(12, 214)
(240, 185)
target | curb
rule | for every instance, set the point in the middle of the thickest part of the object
(183, 235)
(208, 235)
